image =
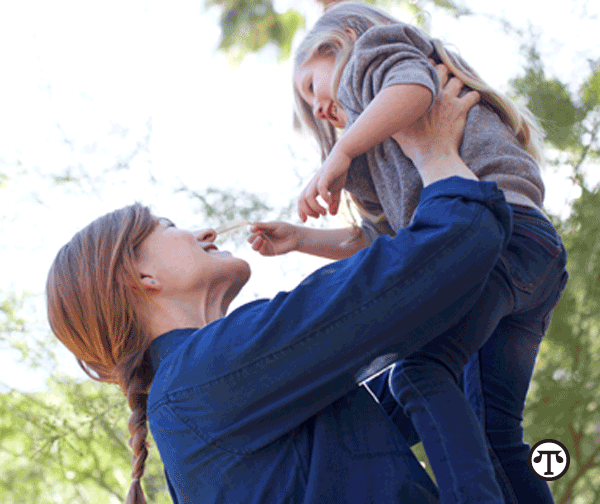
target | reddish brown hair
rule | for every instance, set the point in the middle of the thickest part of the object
(92, 288)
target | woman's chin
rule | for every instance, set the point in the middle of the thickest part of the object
(239, 275)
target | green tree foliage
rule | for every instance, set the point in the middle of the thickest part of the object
(248, 25)
(564, 397)
(70, 444)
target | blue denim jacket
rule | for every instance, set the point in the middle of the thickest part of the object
(263, 405)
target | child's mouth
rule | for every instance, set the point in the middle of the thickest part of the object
(332, 113)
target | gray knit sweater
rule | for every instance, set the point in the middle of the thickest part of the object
(384, 179)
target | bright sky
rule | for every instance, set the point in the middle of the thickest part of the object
(83, 82)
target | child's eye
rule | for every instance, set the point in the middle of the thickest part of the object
(167, 222)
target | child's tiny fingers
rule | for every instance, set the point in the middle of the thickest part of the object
(263, 227)
(327, 196)
(334, 203)
(306, 211)
(315, 209)
(302, 211)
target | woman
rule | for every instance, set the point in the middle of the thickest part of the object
(263, 404)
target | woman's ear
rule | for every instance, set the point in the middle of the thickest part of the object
(150, 284)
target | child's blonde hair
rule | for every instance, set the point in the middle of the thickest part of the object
(330, 35)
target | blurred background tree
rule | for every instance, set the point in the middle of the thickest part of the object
(69, 442)
(565, 394)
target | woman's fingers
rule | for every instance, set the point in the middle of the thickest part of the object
(453, 87)
(470, 99)
(443, 73)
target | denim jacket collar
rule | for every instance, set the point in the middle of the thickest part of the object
(162, 346)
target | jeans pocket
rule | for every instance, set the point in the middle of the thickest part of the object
(534, 252)
(559, 291)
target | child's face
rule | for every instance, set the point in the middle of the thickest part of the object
(313, 80)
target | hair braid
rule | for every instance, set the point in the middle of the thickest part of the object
(138, 429)
(135, 380)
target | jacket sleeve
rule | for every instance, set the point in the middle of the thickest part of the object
(273, 364)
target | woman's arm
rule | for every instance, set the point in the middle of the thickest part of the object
(432, 142)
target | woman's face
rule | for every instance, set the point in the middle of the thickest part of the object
(184, 261)
(314, 80)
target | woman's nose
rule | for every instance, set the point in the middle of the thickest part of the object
(206, 235)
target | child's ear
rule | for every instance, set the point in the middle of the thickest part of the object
(352, 33)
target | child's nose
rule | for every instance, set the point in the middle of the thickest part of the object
(319, 110)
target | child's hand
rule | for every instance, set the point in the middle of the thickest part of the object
(273, 238)
(327, 183)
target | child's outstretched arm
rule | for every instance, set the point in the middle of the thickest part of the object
(394, 108)
(276, 238)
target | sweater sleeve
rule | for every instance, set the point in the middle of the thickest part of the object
(384, 56)
(373, 230)
(360, 184)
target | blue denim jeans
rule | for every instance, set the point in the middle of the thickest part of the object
(473, 435)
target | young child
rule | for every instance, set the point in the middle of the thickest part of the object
(362, 71)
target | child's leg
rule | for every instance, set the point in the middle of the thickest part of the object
(501, 411)
(511, 351)
(380, 389)
(426, 383)
(411, 468)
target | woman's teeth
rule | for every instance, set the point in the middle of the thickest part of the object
(222, 253)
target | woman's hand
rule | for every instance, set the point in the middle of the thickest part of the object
(436, 137)
(328, 183)
(273, 238)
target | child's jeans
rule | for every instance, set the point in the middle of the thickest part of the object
(502, 333)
